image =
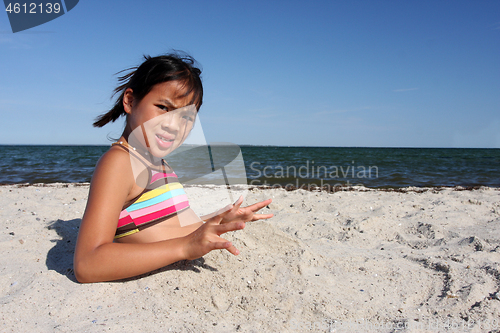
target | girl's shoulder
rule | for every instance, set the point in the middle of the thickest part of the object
(115, 158)
(114, 165)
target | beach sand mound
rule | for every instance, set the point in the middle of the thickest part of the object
(361, 260)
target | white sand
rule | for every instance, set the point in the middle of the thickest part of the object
(361, 260)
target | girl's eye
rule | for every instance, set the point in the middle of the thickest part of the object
(188, 118)
(162, 107)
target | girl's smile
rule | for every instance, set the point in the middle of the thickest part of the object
(164, 141)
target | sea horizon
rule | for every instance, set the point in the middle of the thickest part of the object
(247, 145)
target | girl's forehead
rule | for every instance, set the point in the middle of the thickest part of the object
(172, 89)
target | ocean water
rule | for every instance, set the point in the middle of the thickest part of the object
(375, 167)
(283, 166)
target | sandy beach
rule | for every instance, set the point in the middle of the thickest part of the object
(418, 260)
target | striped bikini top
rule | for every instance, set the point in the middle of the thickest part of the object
(162, 198)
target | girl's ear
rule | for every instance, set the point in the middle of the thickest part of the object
(128, 100)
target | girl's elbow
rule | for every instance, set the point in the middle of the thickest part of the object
(80, 274)
(82, 279)
(83, 273)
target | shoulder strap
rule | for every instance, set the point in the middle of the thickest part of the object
(148, 167)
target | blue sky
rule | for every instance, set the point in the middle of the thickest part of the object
(291, 73)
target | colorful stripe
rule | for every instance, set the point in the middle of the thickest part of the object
(153, 201)
(162, 213)
(153, 206)
(127, 233)
(159, 190)
(160, 175)
(173, 202)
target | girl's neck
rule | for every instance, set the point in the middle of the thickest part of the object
(140, 150)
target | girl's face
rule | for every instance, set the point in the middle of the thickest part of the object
(162, 120)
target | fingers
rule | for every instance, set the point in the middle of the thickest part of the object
(223, 244)
(257, 217)
(216, 219)
(225, 209)
(226, 227)
(233, 250)
(223, 228)
(255, 207)
(238, 202)
(259, 205)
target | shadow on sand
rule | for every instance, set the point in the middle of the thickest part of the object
(60, 257)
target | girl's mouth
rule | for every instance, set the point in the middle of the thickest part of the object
(163, 141)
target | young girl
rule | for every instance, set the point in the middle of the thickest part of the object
(137, 217)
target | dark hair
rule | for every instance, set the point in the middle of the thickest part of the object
(169, 67)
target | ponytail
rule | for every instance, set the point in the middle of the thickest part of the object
(117, 111)
(111, 115)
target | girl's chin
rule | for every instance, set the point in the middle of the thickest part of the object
(161, 152)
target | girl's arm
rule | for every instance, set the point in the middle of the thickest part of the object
(98, 258)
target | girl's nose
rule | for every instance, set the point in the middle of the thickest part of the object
(170, 121)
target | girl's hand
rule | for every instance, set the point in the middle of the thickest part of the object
(207, 238)
(245, 214)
